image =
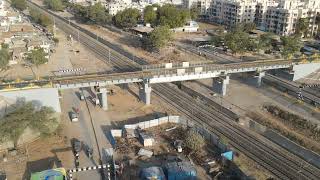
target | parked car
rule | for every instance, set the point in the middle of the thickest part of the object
(81, 96)
(77, 145)
(74, 117)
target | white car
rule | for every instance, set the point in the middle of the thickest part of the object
(74, 117)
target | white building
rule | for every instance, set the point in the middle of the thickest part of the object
(282, 19)
(115, 6)
(278, 16)
(3, 10)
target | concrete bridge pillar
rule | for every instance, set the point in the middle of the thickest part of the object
(147, 93)
(259, 78)
(104, 98)
(223, 82)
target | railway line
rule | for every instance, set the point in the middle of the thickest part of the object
(308, 95)
(281, 163)
(241, 139)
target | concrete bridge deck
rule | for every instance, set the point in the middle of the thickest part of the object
(156, 74)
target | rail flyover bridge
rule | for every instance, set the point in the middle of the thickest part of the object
(164, 73)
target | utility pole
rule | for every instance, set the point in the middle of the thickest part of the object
(54, 26)
(109, 56)
(78, 36)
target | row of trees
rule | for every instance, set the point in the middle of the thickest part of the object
(239, 41)
(168, 15)
(23, 116)
(95, 13)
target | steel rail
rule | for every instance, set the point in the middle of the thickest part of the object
(227, 125)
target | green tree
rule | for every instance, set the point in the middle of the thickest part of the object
(98, 14)
(127, 18)
(159, 37)
(291, 45)
(19, 4)
(194, 12)
(302, 26)
(37, 57)
(81, 12)
(45, 20)
(24, 115)
(237, 41)
(40, 18)
(55, 5)
(265, 41)
(247, 27)
(4, 57)
(173, 17)
(217, 40)
(35, 15)
(150, 15)
(194, 141)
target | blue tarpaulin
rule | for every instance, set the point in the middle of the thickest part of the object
(228, 155)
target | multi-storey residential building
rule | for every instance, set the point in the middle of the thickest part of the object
(278, 16)
(283, 18)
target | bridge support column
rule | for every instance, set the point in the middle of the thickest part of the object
(104, 98)
(223, 82)
(259, 78)
(147, 93)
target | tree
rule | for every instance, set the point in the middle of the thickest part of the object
(291, 45)
(247, 27)
(55, 5)
(98, 14)
(19, 4)
(159, 37)
(237, 41)
(37, 57)
(265, 41)
(172, 17)
(4, 57)
(194, 12)
(45, 20)
(25, 115)
(40, 18)
(217, 40)
(194, 141)
(302, 26)
(150, 15)
(127, 18)
(81, 12)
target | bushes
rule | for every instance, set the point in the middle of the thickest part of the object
(40, 18)
(295, 121)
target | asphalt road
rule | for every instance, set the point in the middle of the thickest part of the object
(81, 130)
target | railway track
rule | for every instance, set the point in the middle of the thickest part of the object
(309, 95)
(240, 139)
(278, 161)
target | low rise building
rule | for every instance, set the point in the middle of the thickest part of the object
(190, 26)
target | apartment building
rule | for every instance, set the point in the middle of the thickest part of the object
(278, 16)
(282, 18)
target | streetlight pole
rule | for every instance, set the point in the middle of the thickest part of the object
(109, 56)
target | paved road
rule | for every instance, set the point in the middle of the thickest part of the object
(81, 130)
